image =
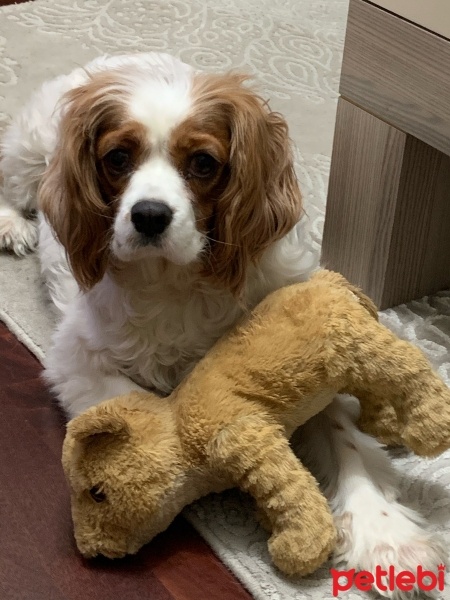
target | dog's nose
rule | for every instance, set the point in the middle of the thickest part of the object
(151, 217)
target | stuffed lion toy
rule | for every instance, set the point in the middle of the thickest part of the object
(134, 462)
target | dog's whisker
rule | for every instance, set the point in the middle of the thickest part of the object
(99, 214)
(224, 243)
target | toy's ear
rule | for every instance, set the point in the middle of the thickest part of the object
(102, 421)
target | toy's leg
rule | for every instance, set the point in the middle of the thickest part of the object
(257, 456)
(396, 372)
(379, 419)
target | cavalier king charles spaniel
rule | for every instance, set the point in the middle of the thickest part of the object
(167, 206)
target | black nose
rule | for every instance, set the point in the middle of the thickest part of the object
(151, 217)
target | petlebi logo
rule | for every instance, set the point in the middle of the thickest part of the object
(388, 580)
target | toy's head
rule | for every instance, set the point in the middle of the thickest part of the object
(124, 465)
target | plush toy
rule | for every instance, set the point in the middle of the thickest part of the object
(135, 461)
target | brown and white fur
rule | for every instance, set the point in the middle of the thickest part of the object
(168, 206)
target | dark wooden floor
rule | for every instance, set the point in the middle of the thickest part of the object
(5, 2)
(38, 558)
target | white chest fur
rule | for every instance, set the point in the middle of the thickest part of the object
(155, 330)
(150, 322)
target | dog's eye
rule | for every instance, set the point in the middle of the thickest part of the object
(97, 494)
(202, 165)
(118, 160)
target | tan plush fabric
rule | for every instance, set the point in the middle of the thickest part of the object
(133, 463)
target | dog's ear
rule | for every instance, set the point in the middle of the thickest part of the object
(69, 194)
(262, 199)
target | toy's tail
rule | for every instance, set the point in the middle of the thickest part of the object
(333, 278)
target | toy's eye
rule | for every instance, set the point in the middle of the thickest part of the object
(97, 494)
(202, 165)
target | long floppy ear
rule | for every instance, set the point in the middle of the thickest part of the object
(262, 200)
(69, 193)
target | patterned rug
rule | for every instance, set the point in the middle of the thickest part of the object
(294, 48)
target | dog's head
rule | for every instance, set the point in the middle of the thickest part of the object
(193, 168)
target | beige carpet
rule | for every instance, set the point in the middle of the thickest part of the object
(294, 49)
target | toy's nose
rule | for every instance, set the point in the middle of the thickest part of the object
(89, 551)
(112, 554)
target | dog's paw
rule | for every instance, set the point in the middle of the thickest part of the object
(17, 234)
(396, 539)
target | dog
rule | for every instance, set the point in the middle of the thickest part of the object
(167, 207)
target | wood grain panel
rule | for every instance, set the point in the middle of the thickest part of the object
(419, 256)
(387, 221)
(432, 14)
(399, 72)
